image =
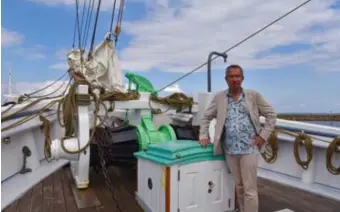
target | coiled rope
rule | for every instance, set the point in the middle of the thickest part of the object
(272, 148)
(334, 147)
(302, 139)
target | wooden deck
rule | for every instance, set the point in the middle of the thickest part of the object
(56, 193)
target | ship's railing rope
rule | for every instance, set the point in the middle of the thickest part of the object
(35, 102)
(24, 97)
(272, 148)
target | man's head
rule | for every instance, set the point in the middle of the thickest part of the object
(234, 77)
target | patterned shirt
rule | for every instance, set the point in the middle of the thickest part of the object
(239, 128)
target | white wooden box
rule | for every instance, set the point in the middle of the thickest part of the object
(182, 176)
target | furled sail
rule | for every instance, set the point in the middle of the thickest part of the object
(102, 68)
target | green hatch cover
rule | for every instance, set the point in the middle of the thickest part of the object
(178, 152)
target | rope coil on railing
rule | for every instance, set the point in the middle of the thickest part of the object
(272, 148)
(303, 139)
(334, 147)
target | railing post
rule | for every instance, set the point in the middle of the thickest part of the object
(80, 168)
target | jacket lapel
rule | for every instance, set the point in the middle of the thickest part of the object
(224, 104)
(250, 107)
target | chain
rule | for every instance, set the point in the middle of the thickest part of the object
(100, 143)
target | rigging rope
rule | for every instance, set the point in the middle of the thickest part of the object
(94, 30)
(77, 20)
(237, 44)
(25, 96)
(88, 22)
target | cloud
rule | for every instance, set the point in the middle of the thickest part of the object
(106, 5)
(10, 38)
(20, 88)
(59, 66)
(61, 56)
(173, 88)
(30, 53)
(177, 36)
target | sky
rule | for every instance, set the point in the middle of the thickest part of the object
(294, 64)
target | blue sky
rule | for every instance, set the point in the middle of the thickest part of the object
(294, 64)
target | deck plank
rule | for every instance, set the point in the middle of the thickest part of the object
(37, 197)
(55, 193)
(48, 196)
(70, 203)
(25, 202)
(85, 198)
(12, 207)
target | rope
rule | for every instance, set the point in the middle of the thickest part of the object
(28, 118)
(237, 44)
(176, 100)
(272, 148)
(309, 149)
(334, 147)
(24, 97)
(87, 22)
(46, 129)
(112, 17)
(94, 31)
(77, 20)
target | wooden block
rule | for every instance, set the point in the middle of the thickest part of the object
(85, 198)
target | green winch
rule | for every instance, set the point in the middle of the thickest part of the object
(148, 134)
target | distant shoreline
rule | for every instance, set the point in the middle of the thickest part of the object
(310, 116)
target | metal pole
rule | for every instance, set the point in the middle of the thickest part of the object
(224, 55)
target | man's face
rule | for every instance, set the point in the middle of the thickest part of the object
(234, 78)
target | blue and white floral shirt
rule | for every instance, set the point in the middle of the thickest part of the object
(239, 129)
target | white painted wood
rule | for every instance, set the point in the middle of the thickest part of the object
(154, 198)
(80, 169)
(190, 192)
(174, 188)
(12, 156)
(323, 190)
(194, 187)
(222, 196)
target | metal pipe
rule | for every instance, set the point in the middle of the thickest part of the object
(224, 55)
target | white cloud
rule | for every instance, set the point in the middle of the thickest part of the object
(30, 53)
(61, 54)
(10, 38)
(177, 36)
(59, 66)
(106, 5)
(20, 88)
(173, 88)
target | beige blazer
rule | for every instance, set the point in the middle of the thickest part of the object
(257, 107)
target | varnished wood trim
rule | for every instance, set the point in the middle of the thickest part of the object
(167, 189)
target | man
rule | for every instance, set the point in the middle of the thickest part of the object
(238, 133)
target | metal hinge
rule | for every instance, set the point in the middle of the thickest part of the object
(179, 175)
(229, 202)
